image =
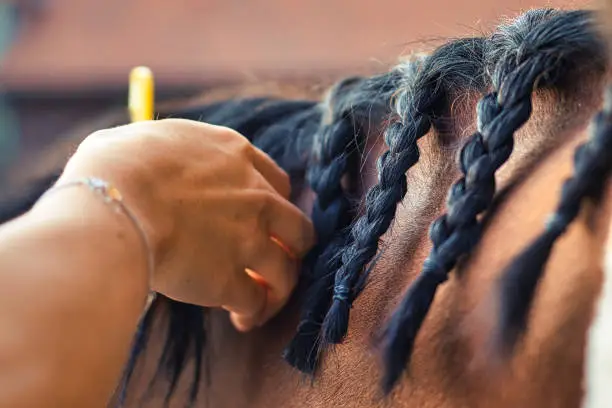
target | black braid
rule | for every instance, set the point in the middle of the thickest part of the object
(518, 283)
(336, 146)
(139, 345)
(540, 47)
(185, 338)
(416, 106)
(331, 212)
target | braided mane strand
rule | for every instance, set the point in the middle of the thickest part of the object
(537, 50)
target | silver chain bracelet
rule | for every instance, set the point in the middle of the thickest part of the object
(112, 196)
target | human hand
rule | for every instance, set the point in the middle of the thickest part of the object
(210, 203)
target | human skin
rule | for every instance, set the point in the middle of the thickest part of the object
(203, 195)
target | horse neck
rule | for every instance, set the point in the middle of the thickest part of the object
(450, 364)
(452, 351)
(449, 368)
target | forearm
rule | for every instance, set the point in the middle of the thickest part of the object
(73, 282)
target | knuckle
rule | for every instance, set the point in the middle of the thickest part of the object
(227, 134)
(244, 148)
(265, 200)
(231, 133)
(286, 181)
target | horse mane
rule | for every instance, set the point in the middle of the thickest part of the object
(321, 142)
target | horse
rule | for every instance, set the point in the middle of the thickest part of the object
(462, 205)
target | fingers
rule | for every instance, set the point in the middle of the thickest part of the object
(275, 269)
(285, 235)
(268, 168)
(289, 225)
(246, 300)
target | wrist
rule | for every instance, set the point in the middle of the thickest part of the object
(98, 208)
(77, 215)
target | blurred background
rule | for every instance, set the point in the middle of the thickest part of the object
(67, 61)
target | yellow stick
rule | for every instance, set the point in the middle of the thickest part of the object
(141, 94)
